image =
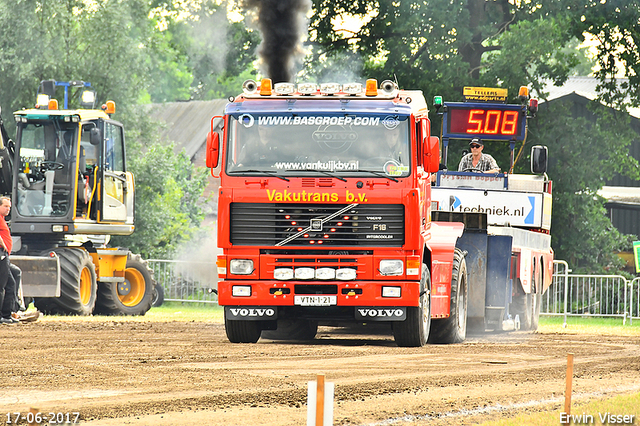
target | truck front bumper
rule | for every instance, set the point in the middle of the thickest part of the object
(319, 294)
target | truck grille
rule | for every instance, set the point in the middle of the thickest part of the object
(287, 225)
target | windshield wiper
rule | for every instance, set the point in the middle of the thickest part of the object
(374, 172)
(266, 172)
(319, 171)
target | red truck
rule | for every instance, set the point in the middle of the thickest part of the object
(325, 215)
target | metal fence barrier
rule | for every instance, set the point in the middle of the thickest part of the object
(591, 295)
(568, 295)
(186, 281)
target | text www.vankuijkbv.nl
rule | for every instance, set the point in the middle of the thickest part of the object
(331, 165)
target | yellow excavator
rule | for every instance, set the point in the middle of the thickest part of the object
(70, 189)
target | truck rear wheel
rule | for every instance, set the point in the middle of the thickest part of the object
(78, 286)
(131, 297)
(454, 328)
(292, 330)
(527, 305)
(414, 330)
(242, 331)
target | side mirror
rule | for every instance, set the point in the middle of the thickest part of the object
(431, 159)
(95, 136)
(213, 148)
(539, 159)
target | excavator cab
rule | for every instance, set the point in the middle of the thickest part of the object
(46, 163)
(70, 175)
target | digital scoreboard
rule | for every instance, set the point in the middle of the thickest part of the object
(485, 121)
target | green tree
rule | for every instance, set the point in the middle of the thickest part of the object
(440, 46)
(218, 53)
(582, 234)
(168, 191)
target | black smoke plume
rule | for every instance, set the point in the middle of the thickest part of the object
(283, 25)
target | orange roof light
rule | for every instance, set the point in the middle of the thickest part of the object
(265, 87)
(524, 91)
(523, 94)
(109, 107)
(53, 104)
(372, 87)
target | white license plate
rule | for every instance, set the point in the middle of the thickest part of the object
(315, 300)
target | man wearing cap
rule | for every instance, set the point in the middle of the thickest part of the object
(477, 161)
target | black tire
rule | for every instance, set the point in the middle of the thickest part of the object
(131, 297)
(78, 286)
(292, 330)
(158, 297)
(414, 330)
(242, 331)
(527, 305)
(454, 328)
(535, 317)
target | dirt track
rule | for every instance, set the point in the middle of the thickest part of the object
(124, 372)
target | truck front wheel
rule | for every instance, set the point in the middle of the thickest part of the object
(414, 330)
(454, 328)
(242, 331)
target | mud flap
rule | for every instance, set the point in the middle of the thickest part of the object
(40, 275)
(377, 313)
(498, 281)
(250, 313)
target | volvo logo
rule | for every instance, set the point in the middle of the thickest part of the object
(381, 314)
(250, 313)
(316, 224)
(390, 122)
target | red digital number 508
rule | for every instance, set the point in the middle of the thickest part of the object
(492, 122)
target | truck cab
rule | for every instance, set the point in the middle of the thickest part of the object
(324, 211)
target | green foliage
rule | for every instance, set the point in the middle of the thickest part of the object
(168, 191)
(584, 154)
(218, 53)
(441, 46)
(614, 24)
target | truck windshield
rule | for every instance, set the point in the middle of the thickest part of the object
(290, 144)
(47, 158)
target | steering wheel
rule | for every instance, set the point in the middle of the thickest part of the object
(473, 169)
(51, 165)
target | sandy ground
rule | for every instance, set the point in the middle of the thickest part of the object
(126, 372)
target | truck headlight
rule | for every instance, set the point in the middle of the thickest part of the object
(325, 273)
(283, 274)
(241, 266)
(241, 290)
(305, 273)
(346, 274)
(391, 267)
